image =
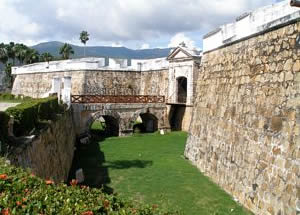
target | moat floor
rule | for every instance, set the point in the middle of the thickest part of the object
(151, 168)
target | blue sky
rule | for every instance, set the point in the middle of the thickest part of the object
(132, 23)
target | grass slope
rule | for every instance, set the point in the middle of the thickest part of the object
(151, 168)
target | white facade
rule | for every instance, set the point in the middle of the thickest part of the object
(251, 23)
(182, 63)
(178, 70)
(92, 64)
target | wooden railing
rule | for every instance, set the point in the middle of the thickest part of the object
(116, 99)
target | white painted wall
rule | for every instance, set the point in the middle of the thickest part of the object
(92, 64)
(176, 70)
(150, 64)
(257, 21)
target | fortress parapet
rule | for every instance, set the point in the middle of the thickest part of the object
(251, 23)
(92, 63)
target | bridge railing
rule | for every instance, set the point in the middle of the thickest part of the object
(116, 99)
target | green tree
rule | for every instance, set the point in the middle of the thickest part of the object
(10, 52)
(66, 50)
(84, 37)
(8, 79)
(3, 53)
(20, 52)
(46, 57)
(31, 56)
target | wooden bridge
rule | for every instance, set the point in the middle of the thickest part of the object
(84, 99)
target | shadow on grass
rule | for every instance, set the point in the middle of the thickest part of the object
(92, 160)
(126, 164)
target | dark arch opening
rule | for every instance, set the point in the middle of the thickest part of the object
(181, 89)
(149, 124)
(106, 126)
(176, 116)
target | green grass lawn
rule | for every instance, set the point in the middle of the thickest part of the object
(151, 168)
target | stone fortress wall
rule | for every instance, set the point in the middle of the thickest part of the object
(250, 23)
(89, 75)
(243, 102)
(245, 128)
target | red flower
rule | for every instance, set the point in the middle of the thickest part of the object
(18, 203)
(3, 177)
(73, 183)
(48, 182)
(88, 213)
(5, 212)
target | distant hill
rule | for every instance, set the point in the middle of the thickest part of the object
(103, 51)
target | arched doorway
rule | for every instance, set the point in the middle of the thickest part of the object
(176, 116)
(105, 125)
(181, 89)
(148, 123)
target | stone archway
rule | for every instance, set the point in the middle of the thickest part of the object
(152, 119)
(150, 122)
(112, 121)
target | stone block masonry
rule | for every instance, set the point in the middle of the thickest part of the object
(50, 154)
(245, 129)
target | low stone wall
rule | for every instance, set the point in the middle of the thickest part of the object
(245, 129)
(37, 85)
(50, 154)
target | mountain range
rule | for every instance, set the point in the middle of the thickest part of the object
(103, 51)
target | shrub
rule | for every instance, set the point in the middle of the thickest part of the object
(28, 114)
(4, 118)
(24, 193)
(6, 96)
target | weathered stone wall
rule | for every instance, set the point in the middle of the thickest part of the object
(245, 129)
(83, 82)
(89, 82)
(154, 83)
(124, 114)
(50, 154)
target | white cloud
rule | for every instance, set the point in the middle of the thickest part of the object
(179, 38)
(117, 20)
(116, 44)
(145, 46)
(16, 26)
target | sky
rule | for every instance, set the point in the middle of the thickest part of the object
(136, 24)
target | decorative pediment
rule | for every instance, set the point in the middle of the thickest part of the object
(179, 53)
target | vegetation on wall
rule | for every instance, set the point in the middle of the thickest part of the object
(29, 114)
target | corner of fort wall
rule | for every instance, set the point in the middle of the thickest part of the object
(245, 129)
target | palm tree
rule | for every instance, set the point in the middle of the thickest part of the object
(10, 52)
(66, 50)
(20, 52)
(3, 53)
(46, 57)
(84, 37)
(31, 56)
